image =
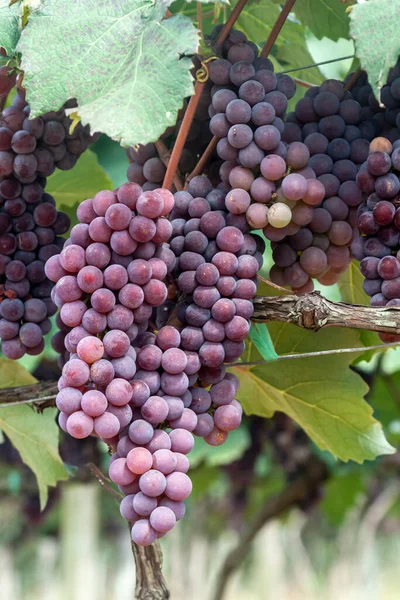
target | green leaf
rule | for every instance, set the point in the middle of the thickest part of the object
(321, 393)
(341, 493)
(261, 338)
(12, 374)
(69, 188)
(238, 441)
(9, 26)
(34, 435)
(112, 157)
(325, 18)
(374, 27)
(127, 67)
(350, 285)
(352, 292)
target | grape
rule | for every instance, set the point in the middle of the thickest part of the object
(279, 215)
(102, 372)
(143, 533)
(273, 167)
(119, 392)
(153, 483)
(79, 425)
(314, 261)
(94, 403)
(388, 267)
(68, 400)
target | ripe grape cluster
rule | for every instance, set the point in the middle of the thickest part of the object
(216, 274)
(378, 247)
(108, 277)
(30, 225)
(126, 382)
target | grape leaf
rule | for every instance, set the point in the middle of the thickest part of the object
(325, 18)
(112, 157)
(341, 493)
(9, 26)
(127, 67)
(69, 188)
(352, 292)
(374, 27)
(34, 435)
(320, 393)
(351, 285)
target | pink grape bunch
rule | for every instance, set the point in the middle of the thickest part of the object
(30, 224)
(150, 464)
(378, 247)
(109, 276)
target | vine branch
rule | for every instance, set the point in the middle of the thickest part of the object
(182, 135)
(279, 23)
(313, 311)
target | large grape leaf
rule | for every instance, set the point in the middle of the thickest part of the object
(69, 188)
(325, 18)
(34, 435)
(127, 67)
(9, 29)
(321, 393)
(374, 27)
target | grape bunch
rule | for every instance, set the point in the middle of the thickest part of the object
(150, 464)
(215, 274)
(328, 121)
(378, 119)
(108, 277)
(131, 385)
(378, 247)
(30, 230)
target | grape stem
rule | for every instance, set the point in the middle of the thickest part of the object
(104, 481)
(313, 311)
(150, 582)
(199, 168)
(165, 157)
(353, 79)
(182, 135)
(292, 495)
(279, 23)
(233, 17)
